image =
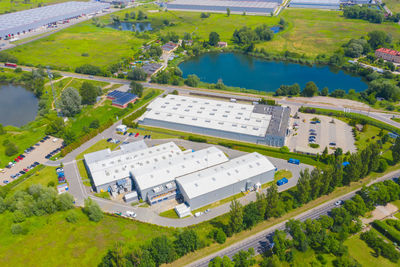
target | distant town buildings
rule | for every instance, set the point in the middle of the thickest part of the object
(388, 54)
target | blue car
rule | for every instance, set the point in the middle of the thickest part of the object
(282, 181)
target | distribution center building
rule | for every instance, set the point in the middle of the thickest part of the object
(235, 6)
(156, 183)
(23, 21)
(237, 175)
(318, 4)
(262, 124)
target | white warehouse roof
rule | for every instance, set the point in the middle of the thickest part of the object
(34, 18)
(113, 168)
(231, 172)
(212, 114)
(166, 171)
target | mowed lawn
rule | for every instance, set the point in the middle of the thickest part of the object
(360, 251)
(393, 5)
(312, 32)
(52, 241)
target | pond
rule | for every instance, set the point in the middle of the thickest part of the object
(131, 26)
(244, 71)
(275, 29)
(18, 106)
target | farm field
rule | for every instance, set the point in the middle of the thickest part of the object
(310, 32)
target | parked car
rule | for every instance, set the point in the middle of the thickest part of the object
(5, 181)
(130, 214)
(338, 203)
(130, 134)
(314, 134)
(332, 144)
(282, 181)
(137, 134)
(22, 172)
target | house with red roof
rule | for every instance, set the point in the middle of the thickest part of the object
(388, 54)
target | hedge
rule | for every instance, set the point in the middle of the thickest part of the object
(197, 139)
(387, 231)
(85, 138)
(355, 116)
(128, 121)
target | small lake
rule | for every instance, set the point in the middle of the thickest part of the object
(131, 26)
(245, 71)
(18, 106)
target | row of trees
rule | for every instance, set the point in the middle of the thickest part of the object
(247, 36)
(363, 12)
(158, 251)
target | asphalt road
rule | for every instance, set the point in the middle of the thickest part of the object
(261, 240)
(381, 116)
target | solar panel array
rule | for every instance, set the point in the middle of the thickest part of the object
(121, 98)
(18, 22)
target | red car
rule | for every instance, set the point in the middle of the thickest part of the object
(16, 160)
(20, 158)
(26, 170)
(137, 134)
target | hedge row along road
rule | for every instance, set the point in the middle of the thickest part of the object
(381, 116)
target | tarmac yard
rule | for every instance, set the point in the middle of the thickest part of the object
(328, 132)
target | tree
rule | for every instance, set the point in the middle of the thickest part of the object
(69, 137)
(264, 33)
(65, 201)
(70, 102)
(192, 80)
(141, 258)
(272, 199)
(236, 216)
(221, 262)
(213, 38)
(250, 215)
(115, 257)
(244, 258)
(295, 229)
(383, 165)
(11, 149)
(281, 244)
(162, 250)
(56, 126)
(2, 130)
(303, 194)
(136, 88)
(396, 151)
(141, 15)
(310, 90)
(377, 39)
(187, 241)
(93, 210)
(219, 234)
(325, 91)
(228, 12)
(94, 124)
(138, 74)
(88, 93)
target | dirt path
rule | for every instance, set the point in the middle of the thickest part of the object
(53, 103)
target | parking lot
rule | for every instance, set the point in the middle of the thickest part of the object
(41, 149)
(326, 132)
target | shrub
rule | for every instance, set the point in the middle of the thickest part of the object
(92, 210)
(219, 236)
(197, 139)
(71, 217)
(17, 229)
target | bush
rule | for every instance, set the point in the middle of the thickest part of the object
(17, 229)
(197, 139)
(89, 69)
(11, 149)
(383, 165)
(71, 217)
(92, 210)
(314, 145)
(219, 236)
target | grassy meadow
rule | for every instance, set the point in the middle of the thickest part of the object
(393, 5)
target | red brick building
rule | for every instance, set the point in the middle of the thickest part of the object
(388, 54)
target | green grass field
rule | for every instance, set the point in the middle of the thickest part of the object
(360, 251)
(7, 6)
(44, 177)
(393, 5)
(310, 32)
(52, 241)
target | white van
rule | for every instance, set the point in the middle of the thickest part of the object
(130, 214)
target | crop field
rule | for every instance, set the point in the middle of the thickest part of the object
(7, 6)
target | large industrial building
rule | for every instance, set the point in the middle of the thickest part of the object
(24, 21)
(237, 175)
(262, 124)
(164, 172)
(318, 4)
(235, 6)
